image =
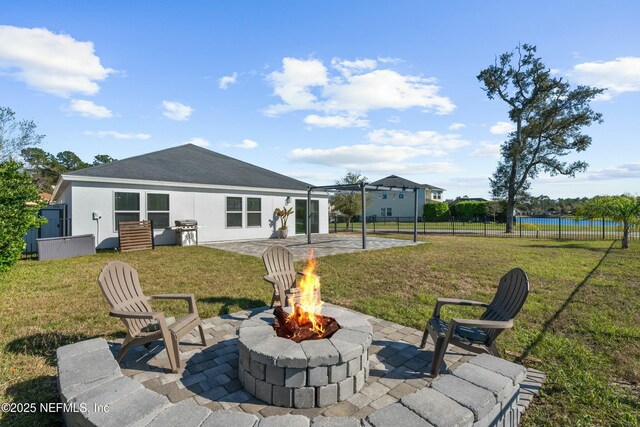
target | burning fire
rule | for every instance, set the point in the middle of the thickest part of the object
(307, 304)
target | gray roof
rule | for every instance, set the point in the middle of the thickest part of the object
(194, 165)
(396, 181)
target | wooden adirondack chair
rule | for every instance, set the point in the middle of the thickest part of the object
(120, 286)
(478, 335)
(281, 272)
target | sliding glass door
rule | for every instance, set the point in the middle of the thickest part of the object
(301, 209)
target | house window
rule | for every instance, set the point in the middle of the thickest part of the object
(389, 212)
(126, 207)
(254, 212)
(384, 195)
(234, 212)
(158, 210)
(383, 211)
(401, 196)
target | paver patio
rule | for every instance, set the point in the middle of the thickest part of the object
(210, 378)
(322, 245)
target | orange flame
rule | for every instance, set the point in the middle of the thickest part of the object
(306, 304)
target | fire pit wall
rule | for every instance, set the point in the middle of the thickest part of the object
(314, 373)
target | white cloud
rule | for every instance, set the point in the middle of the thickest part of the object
(618, 76)
(49, 62)
(118, 135)
(457, 126)
(176, 110)
(358, 87)
(88, 109)
(247, 144)
(200, 142)
(340, 121)
(370, 158)
(502, 128)
(347, 67)
(225, 81)
(486, 149)
(385, 89)
(394, 119)
(354, 156)
(426, 138)
(293, 84)
(630, 170)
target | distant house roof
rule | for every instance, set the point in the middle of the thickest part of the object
(396, 181)
(45, 196)
(194, 165)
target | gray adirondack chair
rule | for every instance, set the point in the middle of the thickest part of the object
(121, 288)
(281, 273)
(478, 335)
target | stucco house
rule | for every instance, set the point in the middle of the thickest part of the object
(230, 199)
(394, 203)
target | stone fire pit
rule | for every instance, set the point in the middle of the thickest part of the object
(313, 373)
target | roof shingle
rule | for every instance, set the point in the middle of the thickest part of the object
(194, 165)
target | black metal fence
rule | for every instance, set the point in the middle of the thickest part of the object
(538, 227)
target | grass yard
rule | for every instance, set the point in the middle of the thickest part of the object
(582, 318)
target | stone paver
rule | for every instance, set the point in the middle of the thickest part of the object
(398, 369)
(322, 244)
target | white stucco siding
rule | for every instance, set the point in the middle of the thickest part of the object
(207, 206)
(399, 207)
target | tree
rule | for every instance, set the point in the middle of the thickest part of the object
(15, 135)
(349, 203)
(19, 206)
(42, 166)
(494, 208)
(103, 159)
(624, 208)
(548, 118)
(470, 211)
(70, 161)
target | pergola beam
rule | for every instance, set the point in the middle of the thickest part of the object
(362, 188)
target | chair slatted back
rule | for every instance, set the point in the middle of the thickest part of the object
(278, 261)
(511, 295)
(121, 288)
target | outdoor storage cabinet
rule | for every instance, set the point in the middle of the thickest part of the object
(66, 247)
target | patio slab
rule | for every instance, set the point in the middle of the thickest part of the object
(322, 245)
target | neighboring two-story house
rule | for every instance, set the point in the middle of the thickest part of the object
(397, 203)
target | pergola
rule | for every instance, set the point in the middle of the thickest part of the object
(362, 188)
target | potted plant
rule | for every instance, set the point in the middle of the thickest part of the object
(283, 214)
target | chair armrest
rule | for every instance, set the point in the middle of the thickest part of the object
(189, 298)
(270, 279)
(454, 301)
(484, 324)
(136, 314)
(172, 296)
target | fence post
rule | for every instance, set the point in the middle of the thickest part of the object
(398, 222)
(603, 228)
(453, 228)
(520, 226)
(560, 227)
(485, 227)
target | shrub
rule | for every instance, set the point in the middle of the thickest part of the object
(471, 211)
(436, 211)
(19, 206)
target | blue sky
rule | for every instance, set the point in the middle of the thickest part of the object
(313, 89)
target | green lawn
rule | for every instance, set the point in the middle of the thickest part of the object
(581, 319)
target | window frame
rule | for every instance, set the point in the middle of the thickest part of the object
(128, 211)
(259, 213)
(227, 212)
(168, 212)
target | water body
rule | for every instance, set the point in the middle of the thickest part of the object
(567, 221)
